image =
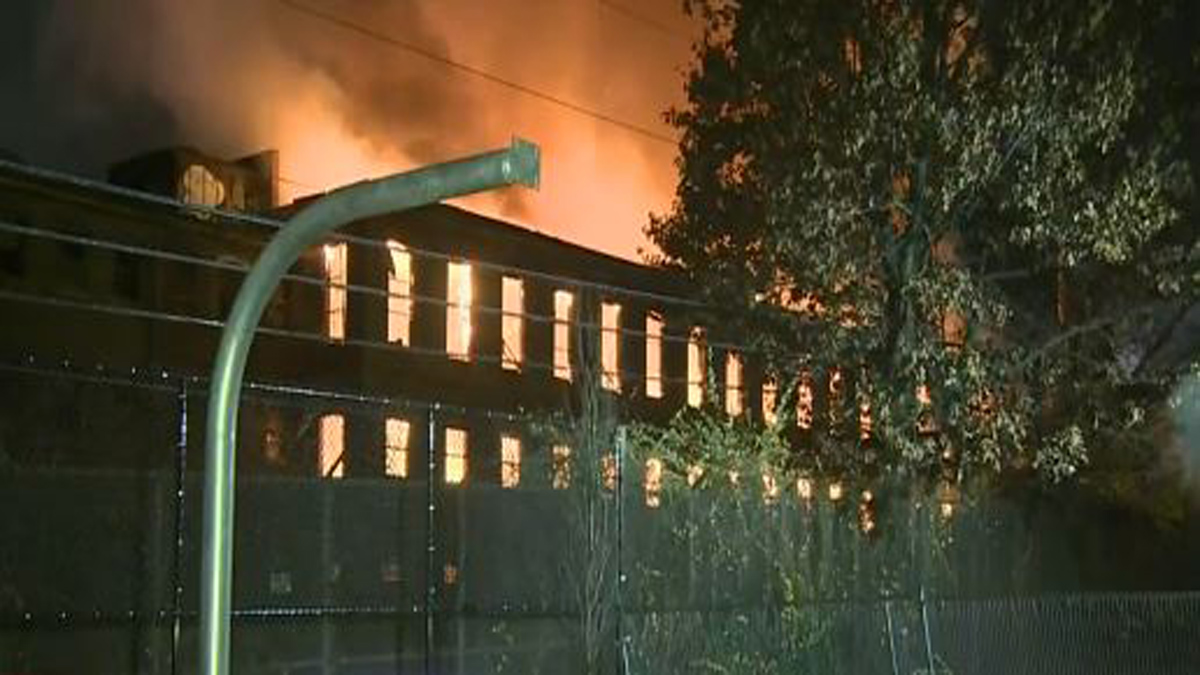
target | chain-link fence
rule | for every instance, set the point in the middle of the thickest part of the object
(384, 536)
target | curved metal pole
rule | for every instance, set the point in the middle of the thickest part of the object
(518, 164)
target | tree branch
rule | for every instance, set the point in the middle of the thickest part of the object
(1090, 327)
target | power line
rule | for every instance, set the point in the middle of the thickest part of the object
(638, 17)
(241, 218)
(444, 60)
(320, 282)
(527, 365)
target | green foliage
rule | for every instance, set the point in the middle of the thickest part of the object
(1021, 167)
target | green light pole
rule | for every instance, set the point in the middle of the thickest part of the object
(518, 164)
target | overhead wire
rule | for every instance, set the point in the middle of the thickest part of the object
(321, 282)
(309, 336)
(445, 60)
(237, 217)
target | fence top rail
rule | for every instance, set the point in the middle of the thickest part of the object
(165, 380)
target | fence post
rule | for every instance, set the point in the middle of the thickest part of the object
(925, 625)
(619, 589)
(181, 448)
(430, 538)
(519, 164)
(325, 485)
(887, 609)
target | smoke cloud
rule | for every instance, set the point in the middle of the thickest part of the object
(234, 76)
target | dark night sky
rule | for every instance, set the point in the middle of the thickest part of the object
(52, 115)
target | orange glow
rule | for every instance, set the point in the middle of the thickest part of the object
(608, 472)
(512, 322)
(599, 182)
(610, 345)
(836, 492)
(396, 441)
(458, 310)
(399, 302)
(342, 103)
(866, 517)
(653, 482)
(733, 384)
(561, 478)
(456, 456)
(804, 403)
(510, 461)
(805, 488)
(807, 304)
(331, 446)
(564, 303)
(654, 329)
(696, 365)
(770, 392)
(865, 424)
(316, 151)
(770, 488)
(954, 329)
(335, 291)
(598, 198)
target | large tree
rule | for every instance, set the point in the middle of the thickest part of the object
(987, 202)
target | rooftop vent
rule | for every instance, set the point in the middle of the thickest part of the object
(249, 184)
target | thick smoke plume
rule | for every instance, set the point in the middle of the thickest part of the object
(234, 76)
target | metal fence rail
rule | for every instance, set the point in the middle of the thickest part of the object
(99, 487)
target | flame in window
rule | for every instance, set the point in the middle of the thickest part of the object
(770, 488)
(399, 302)
(804, 402)
(866, 512)
(836, 492)
(512, 329)
(696, 367)
(456, 456)
(561, 478)
(396, 434)
(335, 291)
(564, 303)
(770, 396)
(654, 330)
(653, 482)
(608, 472)
(610, 346)
(331, 445)
(510, 461)
(865, 424)
(734, 402)
(805, 488)
(458, 310)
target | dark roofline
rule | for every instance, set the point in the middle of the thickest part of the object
(26, 171)
(137, 197)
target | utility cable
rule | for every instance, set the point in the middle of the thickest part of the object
(445, 60)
